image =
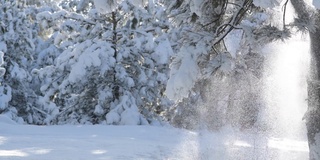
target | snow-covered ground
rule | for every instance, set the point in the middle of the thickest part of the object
(101, 142)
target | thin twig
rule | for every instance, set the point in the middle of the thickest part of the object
(284, 13)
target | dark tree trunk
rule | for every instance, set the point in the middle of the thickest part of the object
(313, 113)
(312, 116)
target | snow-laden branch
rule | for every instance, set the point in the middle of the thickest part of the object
(225, 29)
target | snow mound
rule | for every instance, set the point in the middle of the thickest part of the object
(6, 120)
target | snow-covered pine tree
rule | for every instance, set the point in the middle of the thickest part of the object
(18, 39)
(113, 66)
(221, 42)
(204, 25)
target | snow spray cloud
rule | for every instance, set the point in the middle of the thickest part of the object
(286, 87)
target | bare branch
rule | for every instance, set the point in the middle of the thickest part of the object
(236, 19)
(284, 13)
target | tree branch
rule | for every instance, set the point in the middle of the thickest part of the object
(236, 19)
(284, 13)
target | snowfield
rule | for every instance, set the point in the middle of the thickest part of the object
(102, 142)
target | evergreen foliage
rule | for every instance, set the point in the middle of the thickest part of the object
(18, 41)
(113, 68)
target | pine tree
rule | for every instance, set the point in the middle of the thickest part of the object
(18, 41)
(113, 66)
(208, 55)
